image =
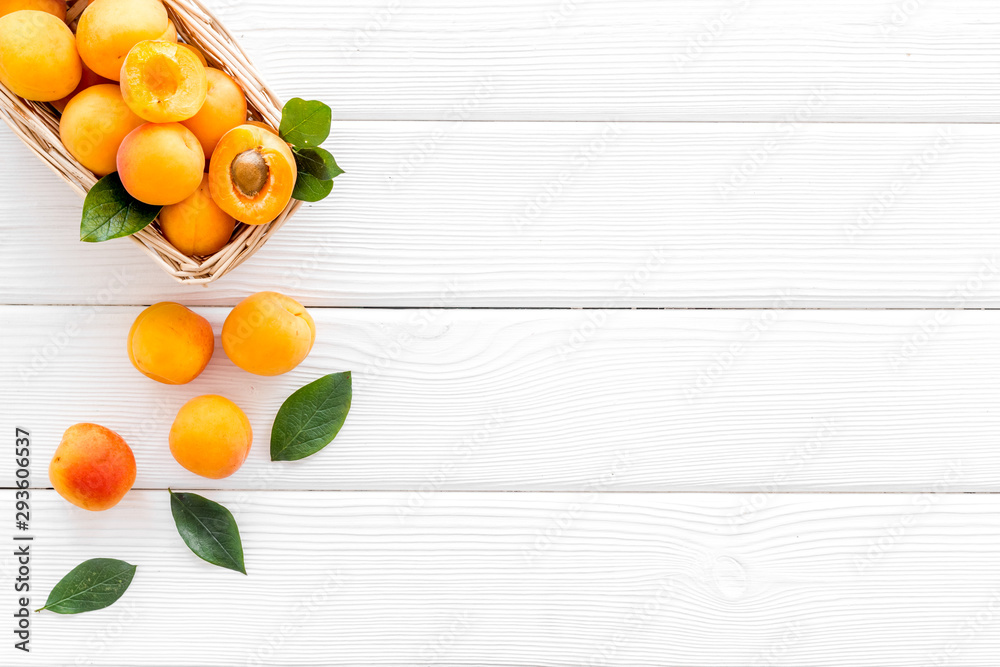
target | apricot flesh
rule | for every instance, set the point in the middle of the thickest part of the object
(55, 7)
(252, 174)
(196, 225)
(93, 467)
(163, 82)
(161, 163)
(93, 126)
(170, 343)
(268, 334)
(225, 107)
(108, 30)
(38, 58)
(211, 436)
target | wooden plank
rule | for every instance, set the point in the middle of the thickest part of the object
(534, 579)
(631, 59)
(754, 401)
(580, 214)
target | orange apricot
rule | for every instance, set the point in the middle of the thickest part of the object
(170, 343)
(252, 174)
(196, 51)
(264, 126)
(163, 82)
(93, 126)
(87, 79)
(55, 7)
(93, 467)
(211, 436)
(38, 59)
(161, 163)
(196, 225)
(225, 107)
(108, 30)
(268, 334)
(170, 34)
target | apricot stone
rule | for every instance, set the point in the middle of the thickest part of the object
(161, 163)
(108, 30)
(225, 107)
(268, 334)
(93, 467)
(170, 343)
(38, 59)
(163, 82)
(93, 126)
(252, 174)
(211, 436)
(55, 7)
(196, 225)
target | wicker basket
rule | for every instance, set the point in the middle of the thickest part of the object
(37, 124)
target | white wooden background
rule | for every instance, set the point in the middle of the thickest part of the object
(674, 333)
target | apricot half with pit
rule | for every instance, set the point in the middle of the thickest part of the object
(252, 174)
(163, 82)
(93, 467)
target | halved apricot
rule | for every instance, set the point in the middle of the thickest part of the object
(252, 174)
(225, 107)
(163, 82)
(264, 126)
(108, 30)
(161, 163)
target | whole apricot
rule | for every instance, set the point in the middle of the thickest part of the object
(211, 436)
(93, 126)
(55, 7)
(252, 174)
(87, 79)
(108, 30)
(225, 107)
(170, 343)
(163, 82)
(196, 225)
(93, 467)
(268, 334)
(170, 34)
(161, 163)
(38, 59)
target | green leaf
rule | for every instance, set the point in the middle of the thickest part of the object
(110, 212)
(318, 162)
(209, 530)
(305, 123)
(93, 584)
(310, 418)
(310, 188)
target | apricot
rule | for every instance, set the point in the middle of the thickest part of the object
(170, 34)
(93, 126)
(225, 107)
(87, 79)
(268, 334)
(196, 51)
(163, 82)
(261, 124)
(161, 163)
(196, 225)
(170, 343)
(252, 174)
(211, 436)
(93, 467)
(108, 30)
(38, 59)
(55, 7)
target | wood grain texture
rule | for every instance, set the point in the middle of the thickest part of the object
(580, 214)
(755, 401)
(535, 580)
(629, 59)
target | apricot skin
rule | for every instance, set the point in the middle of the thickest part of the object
(163, 82)
(93, 467)
(38, 59)
(55, 7)
(93, 126)
(268, 334)
(161, 163)
(225, 107)
(108, 30)
(211, 436)
(196, 225)
(170, 343)
(265, 205)
(87, 79)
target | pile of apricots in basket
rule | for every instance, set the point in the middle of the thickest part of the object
(135, 101)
